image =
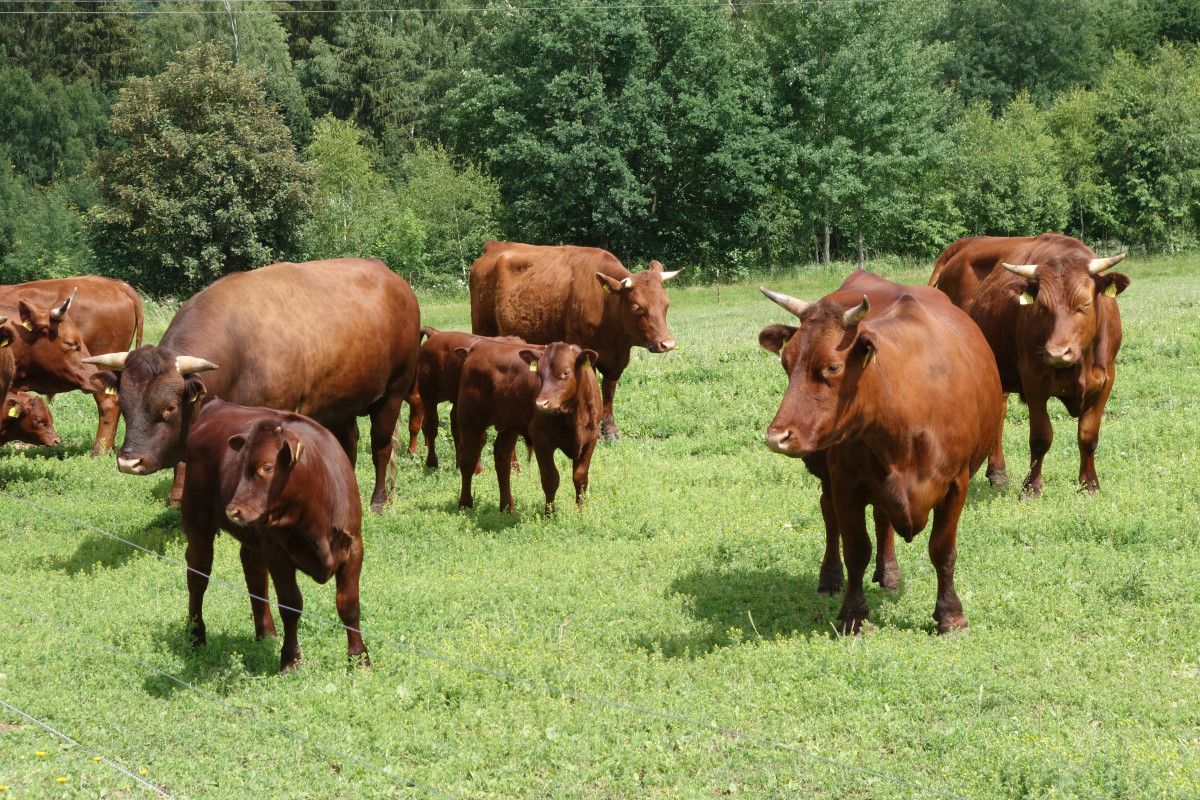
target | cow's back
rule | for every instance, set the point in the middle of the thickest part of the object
(497, 388)
(107, 312)
(321, 338)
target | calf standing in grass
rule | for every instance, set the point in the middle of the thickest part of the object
(27, 419)
(281, 485)
(549, 395)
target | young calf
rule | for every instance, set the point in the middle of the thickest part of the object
(26, 418)
(549, 395)
(284, 488)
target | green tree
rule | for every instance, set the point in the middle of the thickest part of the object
(207, 184)
(1075, 122)
(50, 129)
(49, 239)
(1005, 172)
(1150, 150)
(99, 43)
(458, 208)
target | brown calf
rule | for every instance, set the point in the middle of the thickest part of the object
(25, 418)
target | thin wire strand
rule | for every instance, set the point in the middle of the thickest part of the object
(230, 706)
(468, 10)
(149, 785)
(502, 675)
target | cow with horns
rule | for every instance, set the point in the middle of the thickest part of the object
(871, 369)
(332, 340)
(1048, 308)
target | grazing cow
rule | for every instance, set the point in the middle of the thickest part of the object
(25, 418)
(108, 314)
(332, 340)
(872, 369)
(282, 486)
(581, 295)
(438, 370)
(1049, 313)
(548, 395)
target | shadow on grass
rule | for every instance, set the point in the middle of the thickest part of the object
(736, 606)
(217, 666)
(97, 550)
(40, 453)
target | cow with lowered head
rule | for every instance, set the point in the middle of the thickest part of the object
(871, 369)
(26, 418)
(580, 295)
(333, 340)
(548, 395)
(282, 486)
(1048, 308)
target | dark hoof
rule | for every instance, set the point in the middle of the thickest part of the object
(855, 627)
(888, 579)
(952, 624)
(609, 432)
(175, 501)
(997, 478)
(831, 585)
(377, 506)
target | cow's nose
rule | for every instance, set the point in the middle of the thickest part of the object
(1061, 358)
(234, 513)
(542, 402)
(777, 439)
(55, 442)
(131, 466)
(667, 344)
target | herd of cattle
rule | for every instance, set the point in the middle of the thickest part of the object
(896, 394)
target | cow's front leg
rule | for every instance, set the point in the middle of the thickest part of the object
(943, 552)
(291, 605)
(199, 559)
(856, 552)
(1041, 436)
(175, 497)
(1089, 437)
(887, 568)
(348, 603)
(608, 425)
(544, 452)
(831, 580)
(385, 415)
(579, 473)
(109, 412)
(258, 585)
(502, 454)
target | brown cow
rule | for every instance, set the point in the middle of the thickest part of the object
(871, 370)
(48, 349)
(109, 316)
(1050, 315)
(581, 295)
(8, 365)
(439, 368)
(282, 486)
(333, 340)
(548, 395)
(26, 418)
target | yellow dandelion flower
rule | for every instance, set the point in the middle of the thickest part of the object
(62, 780)
(41, 752)
(97, 758)
(143, 770)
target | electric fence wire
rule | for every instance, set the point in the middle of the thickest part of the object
(133, 12)
(428, 654)
(230, 706)
(159, 791)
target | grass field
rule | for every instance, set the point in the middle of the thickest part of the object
(686, 586)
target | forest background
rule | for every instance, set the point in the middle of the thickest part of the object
(168, 143)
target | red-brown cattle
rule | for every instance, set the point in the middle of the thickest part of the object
(26, 418)
(580, 295)
(282, 486)
(548, 395)
(8, 365)
(108, 315)
(332, 340)
(1049, 312)
(872, 369)
(439, 368)
(48, 349)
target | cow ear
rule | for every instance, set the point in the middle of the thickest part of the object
(194, 388)
(290, 452)
(610, 285)
(1022, 291)
(586, 360)
(29, 316)
(14, 410)
(528, 356)
(461, 352)
(236, 443)
(109, 381)
(866, 347)
(774, 337)
(1111, 284)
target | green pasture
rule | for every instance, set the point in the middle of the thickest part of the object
(685, 586)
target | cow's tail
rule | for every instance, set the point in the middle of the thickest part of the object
(139, 313)
(426, 332)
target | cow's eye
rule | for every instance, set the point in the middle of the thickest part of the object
(635, 308)
(170, 410)
(267, 469)
(833, 369)
(72, 345)
(1084, 307)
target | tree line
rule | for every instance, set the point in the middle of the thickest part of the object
(170, 143)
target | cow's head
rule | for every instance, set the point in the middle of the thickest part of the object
(563, 370)
(25, 418)
(1066, 293)
(158, 393)
(824, 357)
(49, 348)
(265, 459)
(643, 306)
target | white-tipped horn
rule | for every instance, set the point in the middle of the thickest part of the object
(58, 313)
(790, 303)
(858, 313)
(1024, 270)
(189, 364)
(3, 319)
(626, 283)
(1098, 265)
(666, 276)
(113, 360)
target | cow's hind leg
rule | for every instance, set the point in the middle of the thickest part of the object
(887, 569)
(348, 603)
(385, 413)
(943, 552)
(429, 424)
(416, 419)
(258, 585)
(997, 473)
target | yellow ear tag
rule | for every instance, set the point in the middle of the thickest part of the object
(587, 363)
(28, 324)
(533, 365)
(867, 357)
(15, 411)
(1111, 290)
(607, 288)
(7, 341)
(110, 390)
(1026, 298)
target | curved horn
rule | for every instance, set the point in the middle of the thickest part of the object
(57, 314)
(626, 283)
(1024, 270)
(858, 313)
(3, 320)
(790, 303)
(666, 276)
(189, 364)
(1098, 265)
(113, 360)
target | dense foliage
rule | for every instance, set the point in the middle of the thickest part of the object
(723, 137)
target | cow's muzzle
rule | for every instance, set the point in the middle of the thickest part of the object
(663, 346)
(241, 515)
(132, 466)
(786, 442)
